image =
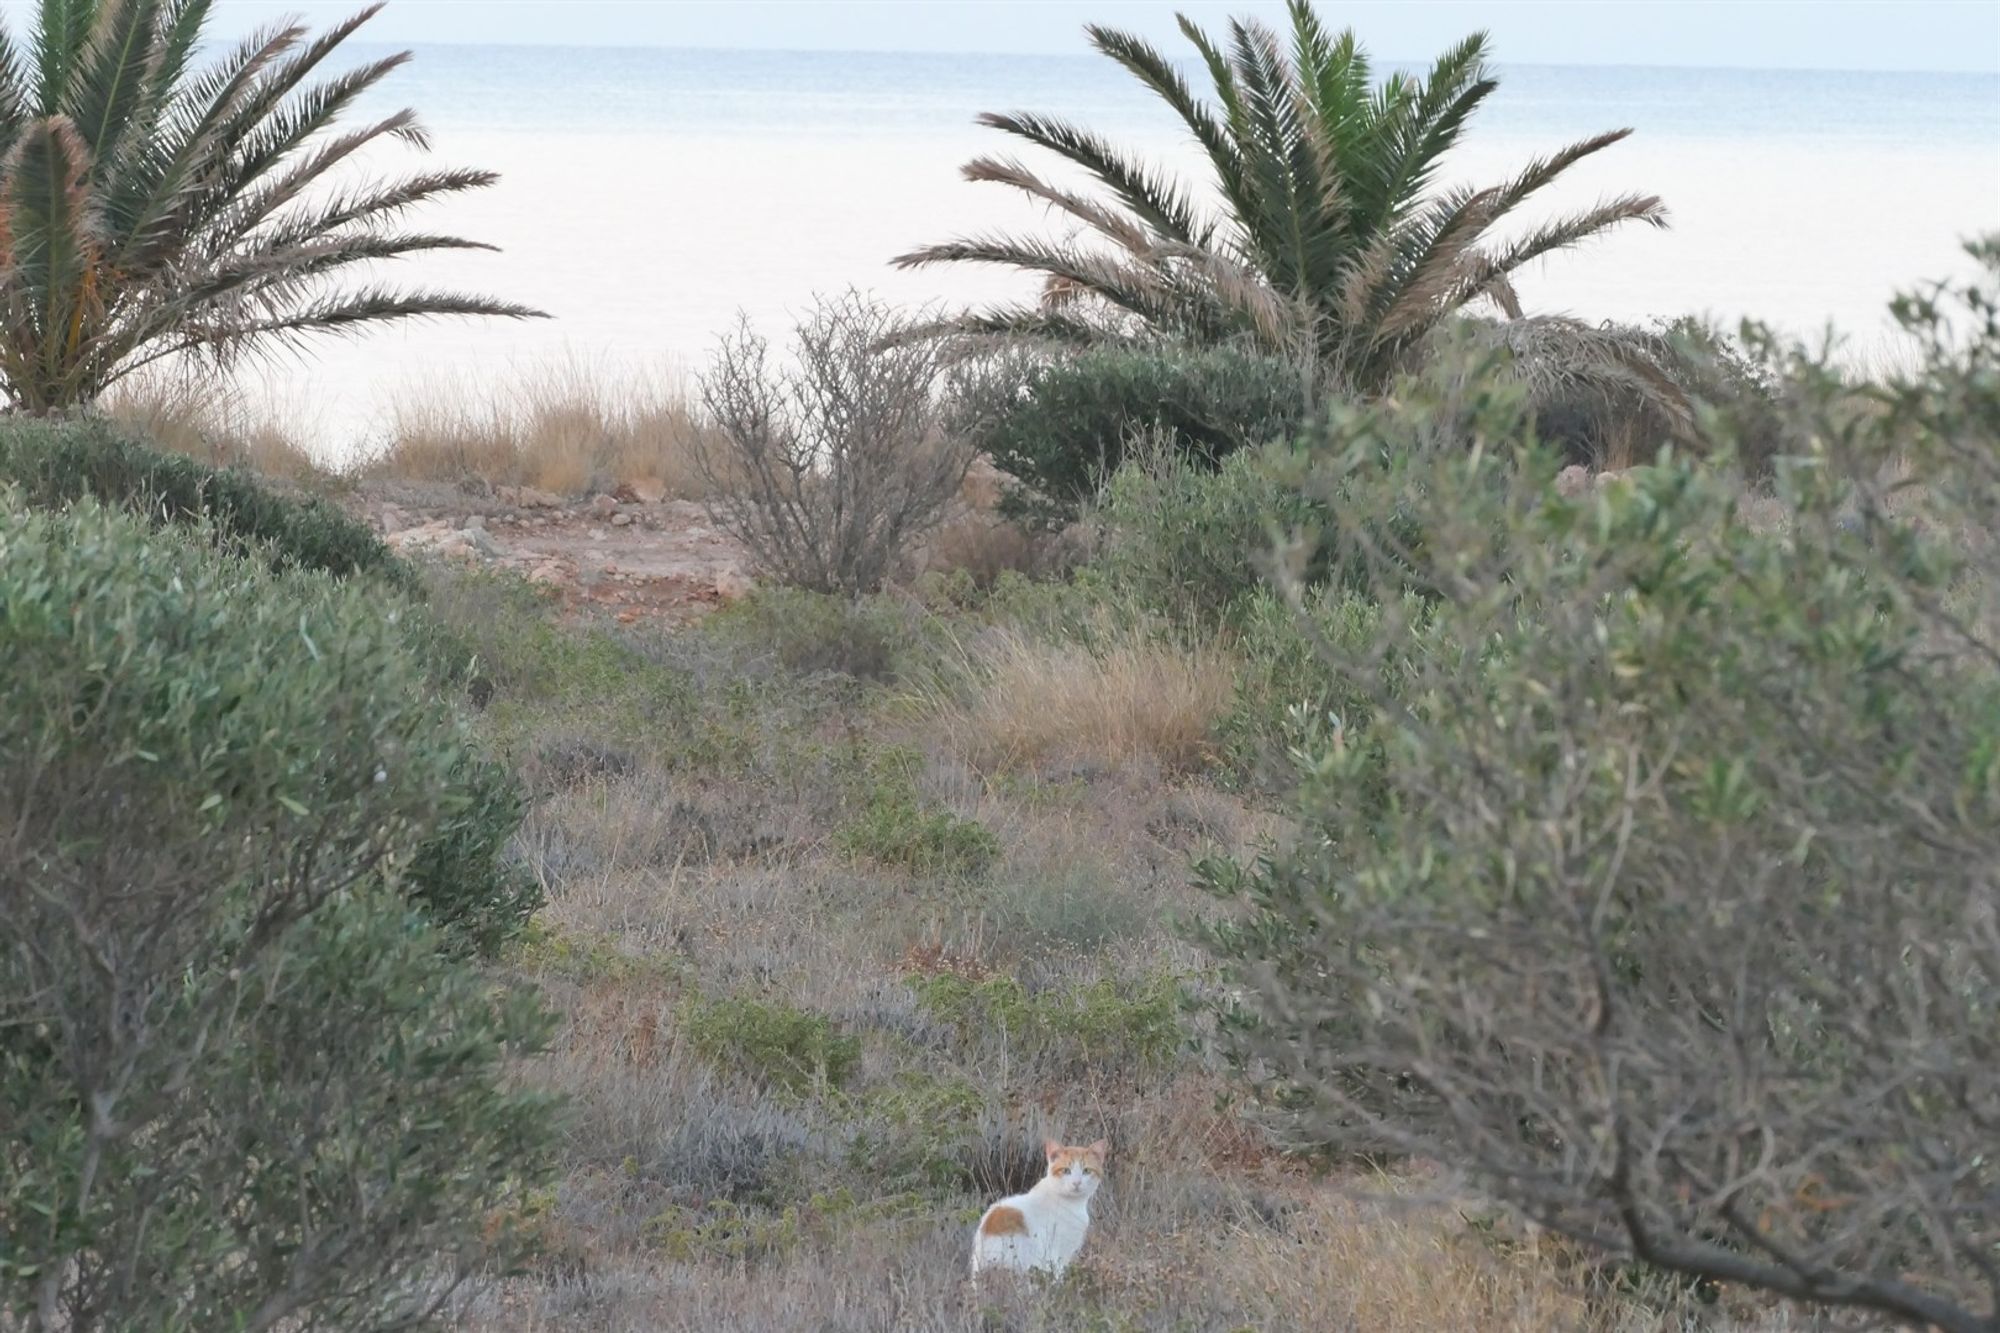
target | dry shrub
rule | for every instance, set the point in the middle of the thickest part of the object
(214, 426)
(832, 463)
(566, 429)
(1132, 698)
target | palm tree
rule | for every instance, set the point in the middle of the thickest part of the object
(1330, 235)
(149, 208)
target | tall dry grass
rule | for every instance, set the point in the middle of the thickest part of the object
(1026, 700)
(565, 428)
(216, 426)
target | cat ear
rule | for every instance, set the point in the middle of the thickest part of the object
(1099, 1148)
(1050, 1147)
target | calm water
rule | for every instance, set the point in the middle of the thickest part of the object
(648, 196)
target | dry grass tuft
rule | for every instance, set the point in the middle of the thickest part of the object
(216, 427)
(566, 430)
(1132, 699)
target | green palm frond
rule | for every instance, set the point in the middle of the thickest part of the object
(1146, 64)
(1156, 200)
(1334, 230)
(1568, 232)
(151, 209)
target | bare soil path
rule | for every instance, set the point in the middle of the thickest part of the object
(620, 553)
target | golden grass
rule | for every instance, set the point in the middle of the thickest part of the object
(1362, 1263)
(1133, 698)
(563, 429)
(218, 428)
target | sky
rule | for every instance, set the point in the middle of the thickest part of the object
(1769, 34)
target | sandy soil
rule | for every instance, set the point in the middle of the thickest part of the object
(619, 553)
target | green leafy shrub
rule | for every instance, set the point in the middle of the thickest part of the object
(808, 633)
(915, 1133)
(1203, 548)
(55, 463)
(889, 822)
(1196, 545)
(794, 1050)
(1295, 689)
(463, 876)
(1062, 425)
(1658, 894)
(1104, 1026)
(239, 1074)
(894, 829)
(725, 1229)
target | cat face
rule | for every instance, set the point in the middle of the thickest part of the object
(1076, 1172)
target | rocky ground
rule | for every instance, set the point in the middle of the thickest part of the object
(623, 553)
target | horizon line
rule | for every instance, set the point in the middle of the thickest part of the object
(1990, 73)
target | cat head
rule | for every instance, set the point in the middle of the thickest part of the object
(1076, 1172)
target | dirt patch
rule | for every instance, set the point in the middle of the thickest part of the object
(622, 554)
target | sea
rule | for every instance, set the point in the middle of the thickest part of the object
(649, 199)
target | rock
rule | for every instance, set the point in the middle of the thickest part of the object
(621, 520)
(477, 539)
(983, 484)
(475, 523)
(603, 505)
(597, 535)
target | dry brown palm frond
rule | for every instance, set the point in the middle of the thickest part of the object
(1279, 321)
(1105, 221)
(1601, 390)
(1059, 293)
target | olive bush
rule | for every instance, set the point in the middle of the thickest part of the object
(1660, 891)
(244, 1083)
(1062, 422)
(54, 462)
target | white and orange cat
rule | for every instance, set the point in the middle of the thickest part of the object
(1042, 1230)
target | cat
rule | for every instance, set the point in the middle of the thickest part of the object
(1042, 1230)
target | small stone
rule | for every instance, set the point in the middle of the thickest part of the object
(475, 539)
(621, 520)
